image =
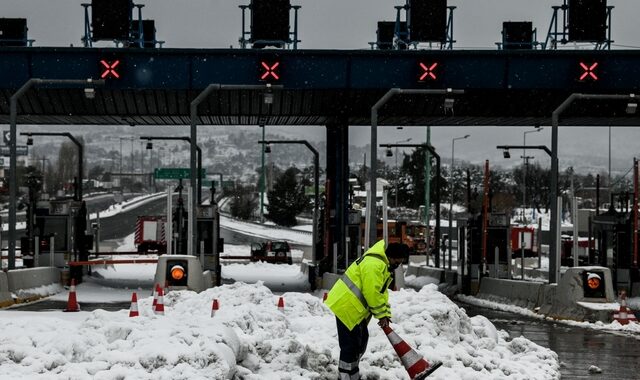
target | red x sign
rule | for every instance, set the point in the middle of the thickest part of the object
(269, 71)
(428, 71)
(109, 69)
(588, 71)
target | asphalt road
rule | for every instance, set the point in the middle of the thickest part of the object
(124, 223)
(578, 348)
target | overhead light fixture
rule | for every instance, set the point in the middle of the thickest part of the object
(267, 148)
(89, 93)
(506, 153)
(29, 140)
(149, 145)
(448, 105)
(389, 152)
(267, 97)
(631, 108)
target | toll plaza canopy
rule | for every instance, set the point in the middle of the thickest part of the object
(319, 87)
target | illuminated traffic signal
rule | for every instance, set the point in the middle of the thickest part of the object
(588, 71)
(177, 272)
(593, 284)
(270, 71)
(109, 69)
(428, 71)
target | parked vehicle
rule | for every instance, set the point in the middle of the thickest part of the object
(271, 251)
(150, 234)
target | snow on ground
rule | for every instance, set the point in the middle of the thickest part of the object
(265, 231)
(250, 337)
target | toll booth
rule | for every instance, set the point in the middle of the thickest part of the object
(66, 222)
(613, 232)
(210, 245)
(498, 245)
(472, 256)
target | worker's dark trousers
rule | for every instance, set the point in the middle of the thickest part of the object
(352, 345)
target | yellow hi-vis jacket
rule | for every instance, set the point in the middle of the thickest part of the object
(362, 290)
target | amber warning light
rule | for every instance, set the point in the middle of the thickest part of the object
(593, 281)
(177, 272)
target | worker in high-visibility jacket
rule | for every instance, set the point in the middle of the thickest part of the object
(359, 294)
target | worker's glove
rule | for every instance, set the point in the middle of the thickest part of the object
(384, 322)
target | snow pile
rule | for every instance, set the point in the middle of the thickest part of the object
(249, 338)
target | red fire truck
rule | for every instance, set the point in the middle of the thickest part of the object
(524, 236)
(151, 234)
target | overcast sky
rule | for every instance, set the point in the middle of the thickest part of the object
(350, 24)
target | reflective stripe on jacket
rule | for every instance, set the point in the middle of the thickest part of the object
(362, 290)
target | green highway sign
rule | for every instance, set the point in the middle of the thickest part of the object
(175, 173)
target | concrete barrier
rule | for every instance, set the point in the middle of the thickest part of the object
(569, 301)
(565, 300)
(520, 293)
(5, 294)
(24, 279)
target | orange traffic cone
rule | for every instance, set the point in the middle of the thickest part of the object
(281, 304)
(624, 314)
(160, 305)
(416, 366)
(155, 297)
(72, 302)
(133, 310)
(214, 307)
(324, 297)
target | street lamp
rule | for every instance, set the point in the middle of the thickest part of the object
(453, 144)
(78, 182)
(13, 131)
(431, 150)
(524, 171)
(554, 267)
(181, 138)
(316, 186)
(398, 171)
(374, 136)
(268, 99)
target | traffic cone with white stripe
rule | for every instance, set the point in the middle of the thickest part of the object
(133, 310)
(160, 305)
(155, 297)
(281, 304)
(214, 307)
(72, 302)
(416, 366)
(624, 314)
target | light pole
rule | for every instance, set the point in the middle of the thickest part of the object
(268, 98)
(397, 170)
(453, 145)
(78, 181)
(430, 149)
(199, 151)
(316, 186)
(262, 178)
(89, 91)
(374, 138)
(524, 171)
(554, 267)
